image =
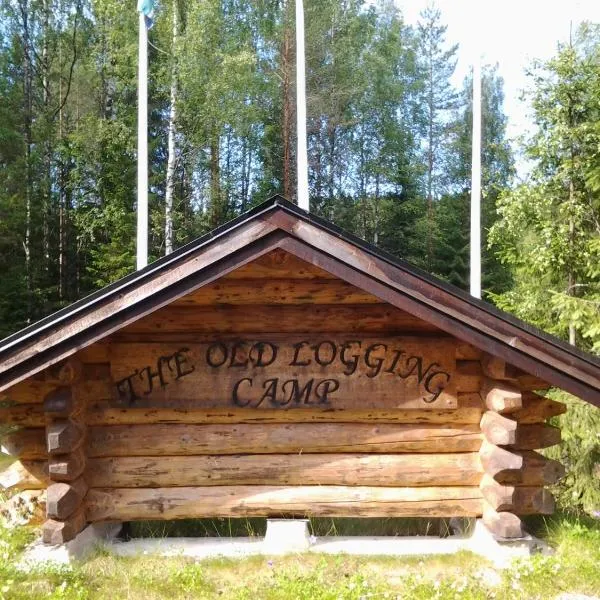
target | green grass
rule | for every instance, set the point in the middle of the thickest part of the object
(573, 568)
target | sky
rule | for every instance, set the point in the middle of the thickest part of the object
(511, 33)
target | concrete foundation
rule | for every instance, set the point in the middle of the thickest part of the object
(288, 536)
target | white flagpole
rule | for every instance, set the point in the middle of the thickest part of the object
(142, 146)
(302, 155)
(476, 181)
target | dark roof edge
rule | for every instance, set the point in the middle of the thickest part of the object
(440, 284)
(11, 343)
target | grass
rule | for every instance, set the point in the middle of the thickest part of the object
(573, 568)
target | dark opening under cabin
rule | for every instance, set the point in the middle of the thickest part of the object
(281, 367)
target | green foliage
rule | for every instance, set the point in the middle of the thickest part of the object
(548, 234)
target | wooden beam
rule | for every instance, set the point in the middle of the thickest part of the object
(498, 429)
(503, 525)
(468, 375)
(515, 467)
(58, 532)
(64, 437)
(63, 499)
(502, 397)
(321, 318)
(25, 474)
(161, 440)
(388, 470)
(124, 504)
(277, 291)
(102, 414)
(25, 443)
(496, 368)
(59, 403)
(26, 415)
(537, 409)
(520, 500)
(67, 467)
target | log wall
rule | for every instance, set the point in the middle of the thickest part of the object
(147, 423)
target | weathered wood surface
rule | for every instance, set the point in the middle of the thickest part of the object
(164, 440)
(521, 500)
(346, 372)
(26, 475)
(24, 443)
(330, 318)
(531, 383)
(502, 396)
(537, 409)
(59, 403)
(64, 436)
(67, 467)
(466, 351)
(496, 368)
(106, 415)
(468, 376)
(238, 501)
(503, 431)
(63, 499)
(26, 508)
(277, 291)
(279, 264)
(519, 467)
(167, 279)
(387, 470)
(504, 525)
(58, 532)
(25, 415)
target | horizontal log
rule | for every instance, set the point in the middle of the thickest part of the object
(123, 504)
(29, 391)
(58, 532)
(28, 507)
(25, 443)
(503, 525)
(522, 500)
(496, 368)
(387, 470)
(26, 415)
(297, 371)
(277, 291)
(519, 467)
(531, 383)
(537, 409)
(465, 351)
(498, 429)
(468, 375)
(278, 264)
(503, 431)
(64, 436)
(64, 373)
(320, 318)
(59, 402)
(161, 440)
(63, 499)
(67, 467)
(501, 396)
(25, 474)
(100, 415)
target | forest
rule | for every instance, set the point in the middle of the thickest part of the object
(389, 154)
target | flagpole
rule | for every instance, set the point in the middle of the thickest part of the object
(142, 146)
(475, 244)
(301, 153)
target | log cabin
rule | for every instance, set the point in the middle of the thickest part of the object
(279, 366)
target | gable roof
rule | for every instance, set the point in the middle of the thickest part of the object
(279, 224)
